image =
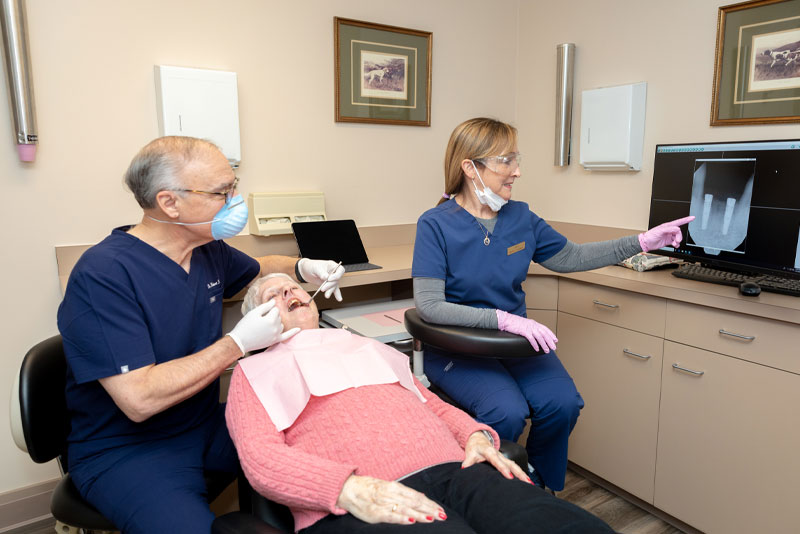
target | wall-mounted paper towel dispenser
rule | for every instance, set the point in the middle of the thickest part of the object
(612, 127)
(200, 103)
(274, 213)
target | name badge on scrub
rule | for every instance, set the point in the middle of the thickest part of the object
(515, 248)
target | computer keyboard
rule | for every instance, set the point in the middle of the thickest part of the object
(773, 284)
(360, 267)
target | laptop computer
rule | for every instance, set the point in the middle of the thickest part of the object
(333, 240)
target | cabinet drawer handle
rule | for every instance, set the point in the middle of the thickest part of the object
(640, 356)
(695, 373)
(604, 304)
(733, 334)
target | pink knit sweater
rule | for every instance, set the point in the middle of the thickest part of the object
(382, 431)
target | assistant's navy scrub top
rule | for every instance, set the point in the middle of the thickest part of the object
(449, 246)
(126, 306)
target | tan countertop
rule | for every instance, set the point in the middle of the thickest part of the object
(661, 283)
(392, 247)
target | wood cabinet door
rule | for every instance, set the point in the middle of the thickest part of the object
(728, 443)
(618, 373)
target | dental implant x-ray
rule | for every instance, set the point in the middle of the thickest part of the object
(722, 190)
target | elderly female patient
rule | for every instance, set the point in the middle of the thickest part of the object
(335, 426)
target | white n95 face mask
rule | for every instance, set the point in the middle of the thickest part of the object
(487, 197)
(229, 220)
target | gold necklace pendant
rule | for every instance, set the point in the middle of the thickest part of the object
(486, 241)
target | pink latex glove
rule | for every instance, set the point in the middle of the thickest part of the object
(538, 334)
(662, 235)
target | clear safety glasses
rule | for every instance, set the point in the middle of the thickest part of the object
(504, 165)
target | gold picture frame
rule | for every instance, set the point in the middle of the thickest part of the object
(757, 63)
(382, 73)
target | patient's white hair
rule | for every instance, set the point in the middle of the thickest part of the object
(252, 298)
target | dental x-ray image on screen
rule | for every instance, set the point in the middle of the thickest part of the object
(745, 197)
(722, 190)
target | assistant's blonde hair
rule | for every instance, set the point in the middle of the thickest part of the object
(474, 139)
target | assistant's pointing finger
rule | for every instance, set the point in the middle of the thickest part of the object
(682, 221)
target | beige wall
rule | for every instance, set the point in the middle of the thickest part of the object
(93, 63)
(669, 45)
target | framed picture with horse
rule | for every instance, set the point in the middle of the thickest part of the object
(382, 73)
(757, 67)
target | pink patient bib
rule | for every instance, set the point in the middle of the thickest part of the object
(321, 362)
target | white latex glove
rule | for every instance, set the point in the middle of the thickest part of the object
(260, 328)
(373, 500)
(316, 271)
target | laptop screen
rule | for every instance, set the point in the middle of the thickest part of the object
(330, 240)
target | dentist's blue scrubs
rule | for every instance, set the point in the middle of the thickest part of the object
(126, 306)
(501, 393)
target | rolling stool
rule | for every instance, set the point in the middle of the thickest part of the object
(40, 426)
(477, 342)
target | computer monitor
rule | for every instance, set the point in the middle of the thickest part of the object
(745, 197)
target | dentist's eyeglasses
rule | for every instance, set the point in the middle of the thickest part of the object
(228, 194)
(505, 164)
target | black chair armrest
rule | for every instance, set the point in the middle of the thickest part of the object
(241, 523)
(468, 341)
(275, 515)
(515, 452)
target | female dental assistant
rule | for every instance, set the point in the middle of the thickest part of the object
(471, 255)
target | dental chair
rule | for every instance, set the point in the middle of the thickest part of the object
(258, 515)
(40, 426)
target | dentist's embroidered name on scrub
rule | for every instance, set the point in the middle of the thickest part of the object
(516, 248)
(213, 284)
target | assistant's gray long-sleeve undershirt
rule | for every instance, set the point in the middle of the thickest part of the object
(432, 306)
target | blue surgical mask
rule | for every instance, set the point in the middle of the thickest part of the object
(487, 197)
(229, 220)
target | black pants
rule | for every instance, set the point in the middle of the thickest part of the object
(478, 500)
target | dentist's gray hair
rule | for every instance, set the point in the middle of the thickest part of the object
(251, 299)
(158, 165)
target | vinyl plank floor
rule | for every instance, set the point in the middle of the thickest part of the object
(622, 516)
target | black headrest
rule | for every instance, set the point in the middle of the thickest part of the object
(464, 340)
(42, 401)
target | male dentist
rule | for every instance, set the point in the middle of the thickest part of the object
(141, 321)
